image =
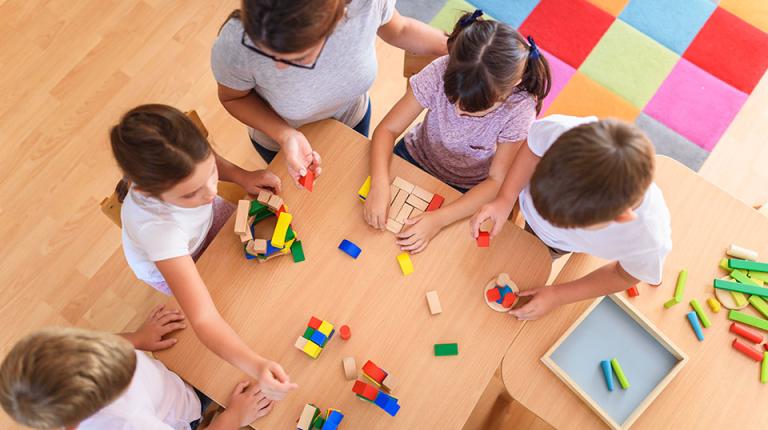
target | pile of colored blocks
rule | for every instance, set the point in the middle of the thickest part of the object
(405, 201)
(283, 240)
(315, 337)
(503, 295)
(379, 392)
(312, 419)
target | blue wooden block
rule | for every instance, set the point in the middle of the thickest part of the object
(333, 420)
(392, 407)
(318, 338)
(694, 320)
(607, 373)
(382, 399)
(504, 291)
(271, 249)
(247, 255)
(349, 248)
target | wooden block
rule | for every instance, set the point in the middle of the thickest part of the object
(607, 374)
(483, 239)
(762, 276)
(741, 252)
(741, 288)
(275, 202)
(374, 372)
(256, 246)
(764, 365)
(444, 349)
(300, 342)
(680, 286)
(435, 203)
(671, 302)
(281, 229)
(747, 350)
(403, 184)
(404, 213)
(314, 323)
(307, 416)
(632, 291)
(394, 226)
(414, 213)
(422, 194)
(619, 374)
(503, 279)
(364, 189)
(297, 251)
(746, 333)
(434, 303)
(493, 294)
(389, 383)
(307, 181)
(404, 260)
(393, 190)
(345, 332)
(748, 319)
(398, 203)
(759, 304)
(747, 265)
(713, 304)
(325, 328)
(244, 238)
(417, 202)
(264, 197)
(700, 313)
(241, 216)
(693, 319)
(312, 349)
(350, 368)
(742, 277)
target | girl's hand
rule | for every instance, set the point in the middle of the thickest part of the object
(376, 206)
(160, 322)
(418, 231)
(273, 381)
(247, 403)
(543, 300)
(254, 182)
(496, 211)
(299, 156)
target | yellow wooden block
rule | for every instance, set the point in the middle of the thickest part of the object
(312, 349)
(287, 248)
(405, 263)
(365, 189)
(372, 381)
(281, 229)
(713, 304)
(325, 328)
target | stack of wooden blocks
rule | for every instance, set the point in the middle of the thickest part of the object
(378, 392)
(315, 337)
(312, 419)
(283, 239)
(405, 201)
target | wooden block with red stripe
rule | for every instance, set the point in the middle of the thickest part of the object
(435, 203)
(366, 391)
(314, 323)
(374, 372)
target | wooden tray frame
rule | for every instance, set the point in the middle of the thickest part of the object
(645, 323)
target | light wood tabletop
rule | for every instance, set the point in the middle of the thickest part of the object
(270, 304)
(719, 387)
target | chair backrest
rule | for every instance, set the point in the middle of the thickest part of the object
(111, 205)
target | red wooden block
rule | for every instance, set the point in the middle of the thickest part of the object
(747, 350)
(314, 323)
(726, 33)
(435, 203)
(345, 332)
(374, 372)
(568, 29)
(365, 390)
(509, 300)
(632, 291)
(307, 181)
(493, 294)
(746, 333)
(484, 239)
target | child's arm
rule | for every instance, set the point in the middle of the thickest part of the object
(421, 229)
(608, 279)
(184, 280)
(394, 124)
(499, 209)
(252, 110)
(160, 322)
(413, 36)
(252, 182)
(246, 404)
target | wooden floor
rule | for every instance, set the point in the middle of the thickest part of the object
(71, 67)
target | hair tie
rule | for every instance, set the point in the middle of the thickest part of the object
(468, 20)
(534, 52)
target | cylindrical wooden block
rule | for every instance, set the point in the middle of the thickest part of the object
(746, 333)
(747, 350)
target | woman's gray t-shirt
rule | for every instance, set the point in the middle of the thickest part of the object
(336, 88)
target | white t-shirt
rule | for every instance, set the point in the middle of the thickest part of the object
(154, 230)
(156, 399)
(640, 246)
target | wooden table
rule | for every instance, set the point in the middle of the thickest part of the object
(270, 304)
(718, 387)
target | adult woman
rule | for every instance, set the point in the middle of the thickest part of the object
(282, 64)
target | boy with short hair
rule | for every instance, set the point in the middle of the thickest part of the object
(586, 186)
(73, 378)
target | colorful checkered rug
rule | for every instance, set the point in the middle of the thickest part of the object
(680, 69)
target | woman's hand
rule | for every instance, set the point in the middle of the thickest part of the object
(299, 155)
(418, 231)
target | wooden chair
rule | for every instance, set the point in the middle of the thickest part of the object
(229, 191)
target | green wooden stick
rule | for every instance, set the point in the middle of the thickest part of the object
(747, 265)
(442, 349)
(721, 284)
(748, 319)
(759, 304)
(759, 275)
(742, 277)
(764, 368)
(739, 299)
(700, 312)
(680, 287)
(619, 374)
(671, 302)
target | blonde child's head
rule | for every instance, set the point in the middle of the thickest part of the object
(593, 174)
(488, 60)
(163, 153)
(57, 378)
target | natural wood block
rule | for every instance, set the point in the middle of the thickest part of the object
(422, 194)
(403, 184)
(434, 303)
(398, 203)
(350, 368)
(394, 226)
(241, 216)
(275, 202)
(404, 213)
(417, 202)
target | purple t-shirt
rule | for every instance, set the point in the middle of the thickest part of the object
(458, 149)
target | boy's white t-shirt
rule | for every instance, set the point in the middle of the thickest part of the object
(156, 399)
(154, 230)
(640, 246)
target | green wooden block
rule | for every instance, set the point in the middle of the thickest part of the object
(619, 373)
(680, 286)
(700, 312)
(671, 302)
(308, 333)
(443, 349)
(290, 234)
(262, 215)
(318, 423)
(764, 368)
(739, 299)
(742, 277)
(759, 275)
(721, 284)
(297, 251)
(747, 265)
(759, 304)
(748, 319)
(256, 207)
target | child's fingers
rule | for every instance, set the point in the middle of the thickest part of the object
(170, 327)
(497, 227)
(241, 387)
(155, 310)
(169, 318)
(265, 410)
(531, 292)
(165, 343)
(422, 247)
(414, 245)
